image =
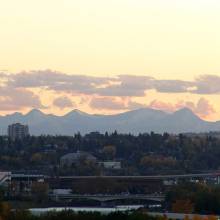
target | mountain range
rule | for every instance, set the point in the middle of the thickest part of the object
(134, 122)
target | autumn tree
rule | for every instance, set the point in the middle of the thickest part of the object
(109, 152)
(182, 206)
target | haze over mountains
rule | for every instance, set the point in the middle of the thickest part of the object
(137, 121)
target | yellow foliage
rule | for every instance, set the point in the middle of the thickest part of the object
(164, 217)
(182, 206)
(36, 157)
(197, 217)
(109, 151)
(212, 217)
(4, 210)
(186, 217)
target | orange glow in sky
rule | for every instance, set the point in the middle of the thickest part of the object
(166, 40)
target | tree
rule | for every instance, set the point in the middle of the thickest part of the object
(40, 191)
(36, 158)
(5, 210)
(182, 206)
(109, 152)
(186, 217)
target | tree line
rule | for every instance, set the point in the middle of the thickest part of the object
(194, 198)
(140, 155)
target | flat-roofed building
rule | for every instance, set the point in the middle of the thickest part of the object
(114, 165)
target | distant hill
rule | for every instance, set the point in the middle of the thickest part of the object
(137, 121)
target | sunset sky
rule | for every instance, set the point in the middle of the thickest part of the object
(110, 56)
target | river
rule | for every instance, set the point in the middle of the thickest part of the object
(40, 211)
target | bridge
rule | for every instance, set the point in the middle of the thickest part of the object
(106, 198)
(27, 177)
(156, 178)
(150, 177)
(5, 177)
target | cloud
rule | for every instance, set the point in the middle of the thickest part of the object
(172, 86)
(109, 93)
(103, 93)
(128, 86)
(135, 105)
(121, 85)
(56, 81)
(18, 98)
(63, 102)
(161, 105)
(108, 103)
(207, 84)
(202, 108)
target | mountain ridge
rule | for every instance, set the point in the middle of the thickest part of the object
(134, 121)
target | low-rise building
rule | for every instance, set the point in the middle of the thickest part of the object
(114, 165)
(75, 158)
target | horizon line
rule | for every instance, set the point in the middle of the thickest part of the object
(114, 114)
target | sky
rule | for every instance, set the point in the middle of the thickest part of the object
(110, 56)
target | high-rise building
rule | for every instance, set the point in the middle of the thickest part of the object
(18, 131)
